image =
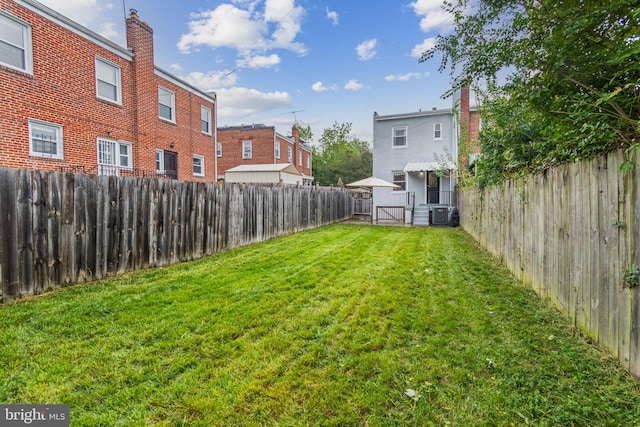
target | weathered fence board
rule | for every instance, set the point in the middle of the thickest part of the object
(59, 228)
(580, 226)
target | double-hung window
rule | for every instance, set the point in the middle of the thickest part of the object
(399, 179)
(219, 149)
(299, 158)
(246, 149)
(277, 149)
(290, 154)
(399, 137)
(166, 104)
(15, 43)
(205, 120)
(113, 156)
(108, 83)
(45, 140)
(437, 131)
(198, 165)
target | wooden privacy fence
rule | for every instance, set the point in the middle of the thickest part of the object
(59, 228)
(571, 233)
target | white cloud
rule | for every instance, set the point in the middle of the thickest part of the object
(367, 49)
(83, 12)
(405, 77)
(288, 19)
(434, 17)
(225, 26)
(238, 103)
(419, 49)
(245, 29)
(320, 87)
(212, 81)
(353, 85)
(332, 16)
(90, 13)
(108, 30)
(259, 61)
(176, 67)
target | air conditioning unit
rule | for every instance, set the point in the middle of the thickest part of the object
(440, 215)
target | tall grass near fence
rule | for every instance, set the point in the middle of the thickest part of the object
(571, 234)
(60, 228)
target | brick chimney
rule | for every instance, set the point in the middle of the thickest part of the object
(145, 91)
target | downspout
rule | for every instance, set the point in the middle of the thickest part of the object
(215, 137)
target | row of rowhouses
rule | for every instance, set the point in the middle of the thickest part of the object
(72, 100)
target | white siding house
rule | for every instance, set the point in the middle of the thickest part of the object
(408, 150)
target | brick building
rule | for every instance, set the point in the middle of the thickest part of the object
(259, 144)
(73, 100)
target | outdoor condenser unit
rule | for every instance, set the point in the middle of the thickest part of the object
(440, 215)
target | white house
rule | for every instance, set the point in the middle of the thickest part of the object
(417, 151)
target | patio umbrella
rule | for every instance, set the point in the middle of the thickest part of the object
(372, 181)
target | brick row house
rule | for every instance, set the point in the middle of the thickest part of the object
(258, 144)
(72, 100)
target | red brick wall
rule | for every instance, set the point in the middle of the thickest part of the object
(62, 90)
(263, 148)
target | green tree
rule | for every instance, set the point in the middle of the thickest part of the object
(340, 155)
(305, 133)
(572, 86)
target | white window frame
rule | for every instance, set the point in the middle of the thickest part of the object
(290, 154)
(219, 149)
(27, 48)
(277, 149)
(172, 101)
(59, 139)
(299, 158)
(198, 158)
(309, 161)
(394, 136)
(159, 161)
(437, 131)
(204, 111)
(101, 62)
(247, 150)
(114, 163)
(402, 184)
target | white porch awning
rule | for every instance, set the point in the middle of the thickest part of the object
(428, 166)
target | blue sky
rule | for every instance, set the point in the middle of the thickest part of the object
(273, 61)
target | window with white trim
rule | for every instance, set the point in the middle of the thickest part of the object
(246, 149)
(399, 137)
(290, 154)
(15, 43)
(309, 161)
(198, 165)
(219, 149)
(108, 83)
(166, 104)
(205, 120)
(299, 158)
(277, 149)
(437, 131)
(399, 179)
(113, 156)
(45, 139)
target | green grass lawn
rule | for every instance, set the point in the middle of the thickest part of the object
(345, 325)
